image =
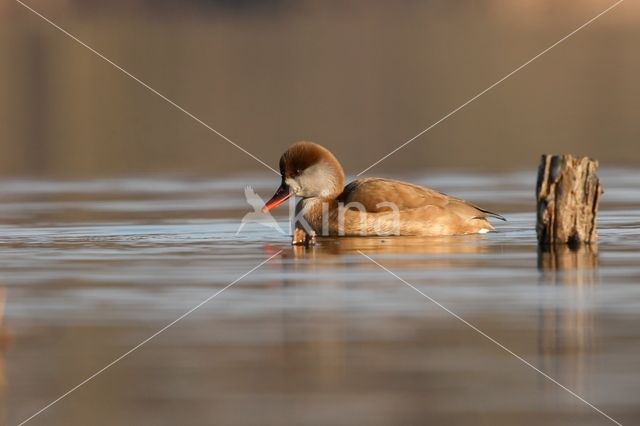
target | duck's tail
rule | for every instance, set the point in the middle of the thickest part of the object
(492, 214)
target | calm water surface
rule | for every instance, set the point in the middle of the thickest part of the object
(316, 336)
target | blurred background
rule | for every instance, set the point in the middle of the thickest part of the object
(119, 213)
(360, 77)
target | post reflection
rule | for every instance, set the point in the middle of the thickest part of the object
(4, 345)
(566, 324)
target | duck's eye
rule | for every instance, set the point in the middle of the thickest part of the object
(298, 171)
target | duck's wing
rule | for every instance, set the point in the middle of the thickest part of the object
(376, 195)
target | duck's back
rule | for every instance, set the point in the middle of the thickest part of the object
(422, 204)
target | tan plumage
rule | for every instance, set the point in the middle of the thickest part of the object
(453, 215)
(368, 206)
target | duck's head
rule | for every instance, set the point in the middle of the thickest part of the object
(308, 170)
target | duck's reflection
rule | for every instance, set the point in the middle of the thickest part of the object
(336, 259)
(405, 245)
(402, 251)
(566, 326)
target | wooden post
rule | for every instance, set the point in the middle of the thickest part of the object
(568, 192)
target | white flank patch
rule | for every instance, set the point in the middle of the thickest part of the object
(483, 231)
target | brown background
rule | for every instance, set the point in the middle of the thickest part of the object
(360, 77)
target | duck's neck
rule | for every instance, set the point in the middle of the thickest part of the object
(317, 212)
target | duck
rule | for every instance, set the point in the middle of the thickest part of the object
(369, 206)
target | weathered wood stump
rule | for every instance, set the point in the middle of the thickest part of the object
(568, 192)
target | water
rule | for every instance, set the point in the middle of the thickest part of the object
(91, 268)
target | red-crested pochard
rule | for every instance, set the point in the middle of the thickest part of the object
(368, 206)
